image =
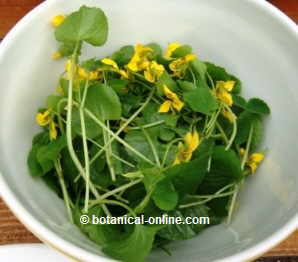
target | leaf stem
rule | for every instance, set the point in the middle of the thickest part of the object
(66, 198)
(234, 133)
(148, 125)
(85, 147)
(153, 148)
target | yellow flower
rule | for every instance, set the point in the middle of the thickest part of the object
(172, 102)
(171, 48)
(154, 72)
(57, 20)
(83, 74)
(56, 55)
(179, 65)
(44, 118)
(114, 65)
(223, 89)
(140, 59)
(191, 142)
(229, 115)
(253, 160)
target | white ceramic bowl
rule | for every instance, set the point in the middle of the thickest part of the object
(251, 38)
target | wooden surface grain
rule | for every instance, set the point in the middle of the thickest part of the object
(11, 230)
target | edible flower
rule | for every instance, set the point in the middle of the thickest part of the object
(115, 67)
(222, 91)
(179, 65)
(83, 74)
(154, 72)
(140, 59)
(185, 150)
(253, 160)
(171, 48)
(57, 20)
(173, 101)
(45, 119)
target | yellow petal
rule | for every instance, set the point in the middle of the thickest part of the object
(171, 48)
(44, 118)
(229, 85)
(190, 57)
(110, 62)
(56, 55)
(257, 157)
(177, 104)
(165, 107)
(168, 93)
(53, 130)
(253, 166)
(176, 65)
(142, 50)
(123, 73)
(149, 76)
(225, 97)
(192, 140)
(229, 115)
(83, 73)
(57, 20)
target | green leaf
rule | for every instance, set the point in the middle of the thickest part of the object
(88, 24)
(48, 154)
(67, 49)
(186, 85)
(166, 134)
(218, 73)
(225, 169)
(201, 100)
(38, 141)
(134, 247)
(199, 69)
(182, 51)
(123, 56)
(165, 196)
(239, 101)
(188, 176)
(103, 101)
(257, 106)
(184, 231)
(119, 85)
(33, 164)
(157, 50)
(245, 121)
(137, 140)
(91, 65)
(52, 102)
(92, 128)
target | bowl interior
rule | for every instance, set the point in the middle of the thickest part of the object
(243, 36)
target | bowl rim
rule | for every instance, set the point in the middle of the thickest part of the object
(66, 247)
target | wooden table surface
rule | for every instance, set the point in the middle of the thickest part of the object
(12, 231)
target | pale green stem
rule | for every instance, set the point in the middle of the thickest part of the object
(153, 149)
(237, 187)
(113, 202)
(110, 166)
(117, 196)
(234, 133)
(119, 189)
(69, 129)
(64, 190)
(208, 199)
(85, 147)
(147, 126)
(222, 132)
(168, 149)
